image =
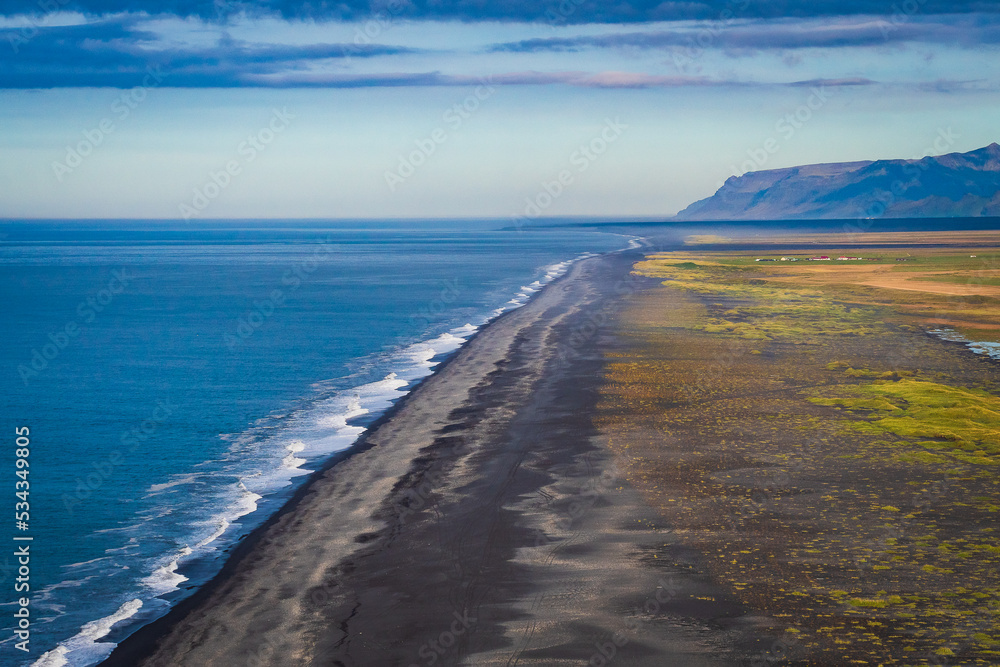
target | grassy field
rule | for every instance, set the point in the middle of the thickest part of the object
(855, 236)
(837, 468)
(933, 288)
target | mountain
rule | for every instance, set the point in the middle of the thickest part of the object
(953, 185)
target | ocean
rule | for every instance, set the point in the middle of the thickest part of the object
(179, 382)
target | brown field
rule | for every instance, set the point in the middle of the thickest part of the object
(889, 276)
(955, 288)
(834, 466)
(855, 236)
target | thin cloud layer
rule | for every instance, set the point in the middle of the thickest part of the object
(552, 11)
(609, 79)
(118, 51)
(958, 30)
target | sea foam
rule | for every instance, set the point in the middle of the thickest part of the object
(84, 647)
(265, 460)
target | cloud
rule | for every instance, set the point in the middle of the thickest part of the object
(550, 11)
(117, 53)
(760, 35)
(609, 79)
(853, 81)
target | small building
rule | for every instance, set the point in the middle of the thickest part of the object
(824, 258)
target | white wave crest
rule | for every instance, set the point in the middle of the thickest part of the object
(166, 578)
(85, 644)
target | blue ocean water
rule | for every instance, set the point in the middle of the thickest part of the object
(179, 381)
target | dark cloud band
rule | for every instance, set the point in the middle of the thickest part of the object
(970, 30)
(551, 11)
(117, 54)
(117, 51)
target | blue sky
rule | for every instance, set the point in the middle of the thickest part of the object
(404, 109)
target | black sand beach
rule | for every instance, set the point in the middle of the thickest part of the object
(609, 476)
(484, 522)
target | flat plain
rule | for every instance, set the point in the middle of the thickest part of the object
(834, 464)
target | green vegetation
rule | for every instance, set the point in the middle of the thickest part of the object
(871, 604)
(935, 415)
(835, 465)
(759, 310)
(898, 295)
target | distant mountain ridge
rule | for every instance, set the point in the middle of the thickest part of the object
(953, 185)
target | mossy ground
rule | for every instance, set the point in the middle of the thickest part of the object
(955, 421)
(835, 466)
(894, 287)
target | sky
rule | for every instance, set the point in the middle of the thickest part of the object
(196, 109)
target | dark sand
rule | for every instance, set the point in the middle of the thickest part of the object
(483, 523)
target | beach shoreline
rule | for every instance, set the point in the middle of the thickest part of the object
(481, 519)
(510, 508)
(138, 644)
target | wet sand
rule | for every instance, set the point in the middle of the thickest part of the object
(483, 522)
